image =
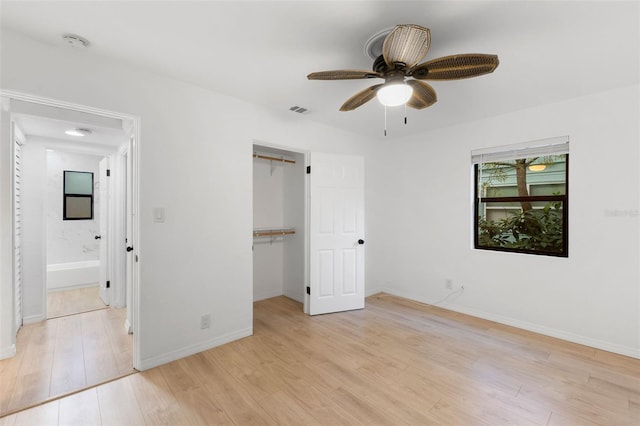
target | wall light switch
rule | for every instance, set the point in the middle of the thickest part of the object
(158, 214)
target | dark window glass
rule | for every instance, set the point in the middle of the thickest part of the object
(78, 195)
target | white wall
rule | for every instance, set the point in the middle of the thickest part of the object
(195, 153)
(592, 297)
(268, 192)
(70, 240)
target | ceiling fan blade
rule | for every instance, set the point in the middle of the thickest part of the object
(360, 98)
(406, 44)
(342, 75)
(455, 67)
(423, 95)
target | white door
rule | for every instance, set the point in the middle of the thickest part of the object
(129, 234)
(336, 231)
(103, 220)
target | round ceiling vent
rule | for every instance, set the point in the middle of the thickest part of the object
(373, 46)
(75, 41)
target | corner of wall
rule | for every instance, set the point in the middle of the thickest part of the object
(8, 352)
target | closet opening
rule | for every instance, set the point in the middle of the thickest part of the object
(279, 224)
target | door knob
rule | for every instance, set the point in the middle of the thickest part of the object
(361, 242)
(98, 237)
(130, 248)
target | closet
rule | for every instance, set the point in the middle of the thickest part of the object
(279, 194)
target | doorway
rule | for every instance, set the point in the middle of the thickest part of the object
(279, 219)
(88, 257)
(76, 241)
(308, 237)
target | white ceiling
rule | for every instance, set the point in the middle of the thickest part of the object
(262, 51)
(104, 137)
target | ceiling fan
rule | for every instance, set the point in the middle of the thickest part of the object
(402, 49)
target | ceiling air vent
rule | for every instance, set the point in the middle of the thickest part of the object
(298, 109)
(75, 41)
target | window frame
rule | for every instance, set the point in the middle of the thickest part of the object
(532, 198)
(65, 195)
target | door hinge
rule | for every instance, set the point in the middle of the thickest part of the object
(308, 170)
(308, 290)
(108, 172)
(108, 284)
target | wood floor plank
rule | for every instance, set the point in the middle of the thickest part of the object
(45, 414)
(157, 402)
(80, 409)
(68, 373)
(9, 420)
(118, 403)
(99, 361)
(70, 302)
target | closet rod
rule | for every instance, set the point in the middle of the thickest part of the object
(266, 157)
(273, 232)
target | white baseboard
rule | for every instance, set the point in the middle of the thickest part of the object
(194, 349)
(128, 328)
(8, 352)
(536, 328)
(266, 295)
(54, 287)
(33, 318)
(371, 291)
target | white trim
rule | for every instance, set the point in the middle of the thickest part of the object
(132, 123)
(194, 349)
(551, 146)
(266, 295)
(33, 318)
(524, 325)
(8, 352)
(67, 105)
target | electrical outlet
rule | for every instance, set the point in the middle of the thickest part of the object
(205, 321)
(448, 284)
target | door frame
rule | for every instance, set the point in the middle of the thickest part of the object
(133, 183)
(307, 155)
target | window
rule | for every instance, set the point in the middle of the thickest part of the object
(521, 198)
(78, 195)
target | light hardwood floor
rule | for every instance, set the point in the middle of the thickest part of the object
(69, 302)
(63, 355)
(395, 362)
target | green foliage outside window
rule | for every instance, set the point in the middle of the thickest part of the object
(521, 208)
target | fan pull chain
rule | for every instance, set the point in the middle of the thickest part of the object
(385, 120)
(405, 113)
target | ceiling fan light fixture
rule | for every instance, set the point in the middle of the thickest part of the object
(394, 94)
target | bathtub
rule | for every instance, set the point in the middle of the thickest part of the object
(64, 276)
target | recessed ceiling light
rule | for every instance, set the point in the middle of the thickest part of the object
(75, 41)
(78, 132)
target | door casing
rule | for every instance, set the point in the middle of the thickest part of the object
(133, 188)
